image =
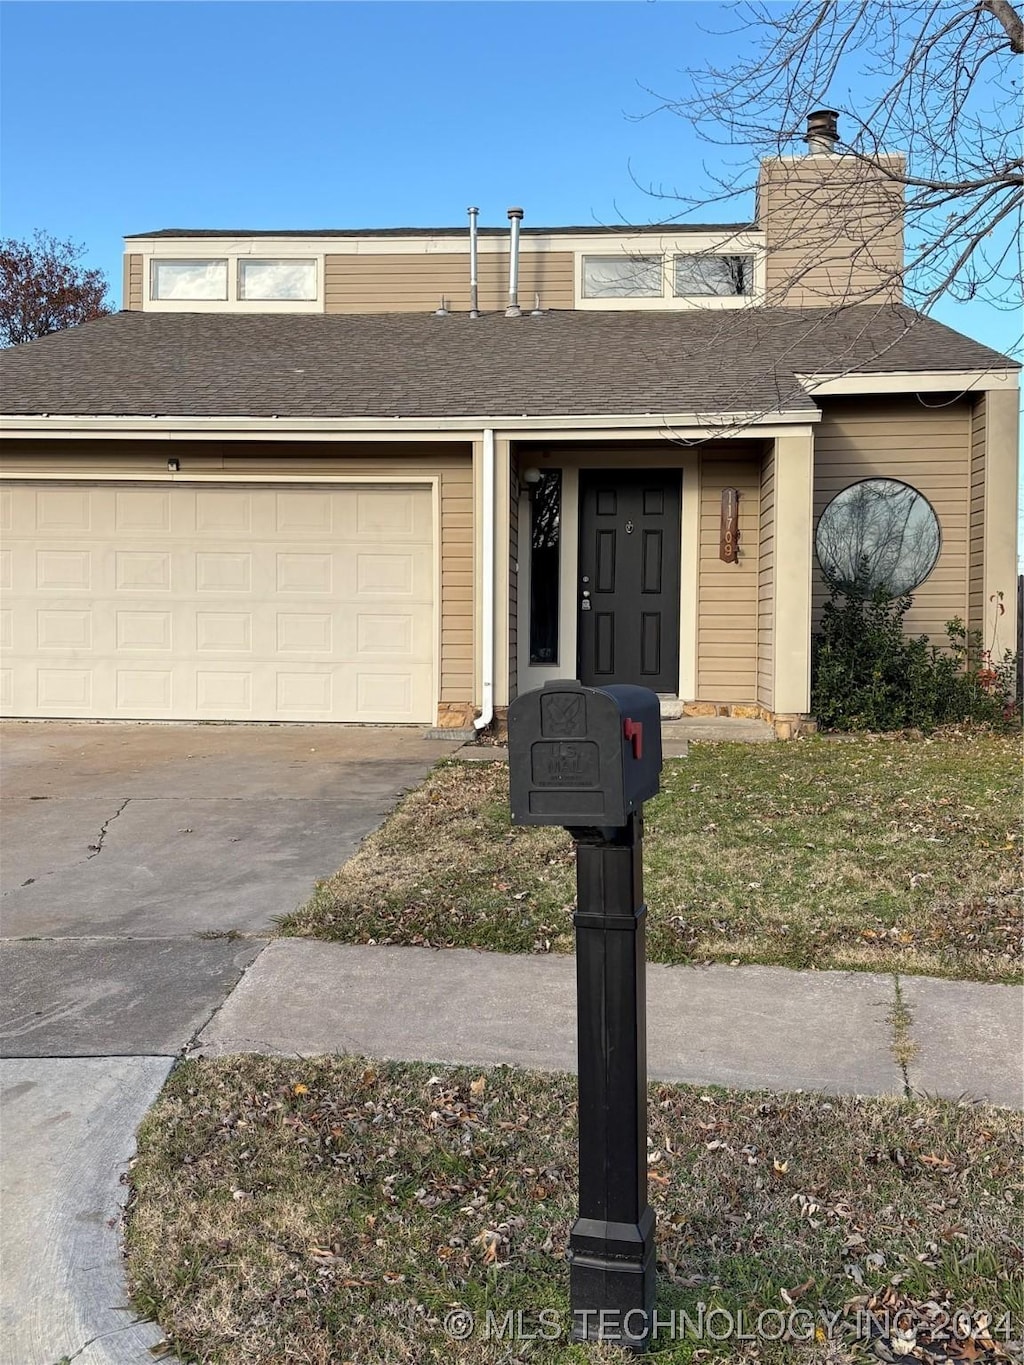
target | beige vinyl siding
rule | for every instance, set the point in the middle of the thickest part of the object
(924, 445)
(415, 283)
(727, 602)
(132, 287)
(453, 466)
(766, 584)
(458, 641)
(976, 539)
(833, 231)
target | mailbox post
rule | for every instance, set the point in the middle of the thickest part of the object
(587, 759)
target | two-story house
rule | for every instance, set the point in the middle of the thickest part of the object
(398, 475)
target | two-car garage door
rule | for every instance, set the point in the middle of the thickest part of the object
(214, 602)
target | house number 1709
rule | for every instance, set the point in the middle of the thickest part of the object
(729, 534)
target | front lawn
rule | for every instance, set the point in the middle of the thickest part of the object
(330, 1210)
(873, 854)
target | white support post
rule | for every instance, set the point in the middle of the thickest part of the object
(794, 502)
(999, 632)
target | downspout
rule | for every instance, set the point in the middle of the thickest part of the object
(474, 283)
(487, 574)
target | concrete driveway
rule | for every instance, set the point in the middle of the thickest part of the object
(142, 867)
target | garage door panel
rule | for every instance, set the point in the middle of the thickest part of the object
(64, 510)
(377, 516)
(142, 510)
(227, 603)
(64, 629)
(69, 691)
(222, 571)
(59, 570)
(304, 514)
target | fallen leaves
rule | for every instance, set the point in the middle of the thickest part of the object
(792, 1296)
(931, 1329)
(382, 1189)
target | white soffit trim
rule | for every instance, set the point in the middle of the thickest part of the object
(440, 244)
(673, 424)
(910, 381)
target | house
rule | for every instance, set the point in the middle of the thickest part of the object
(400, 475)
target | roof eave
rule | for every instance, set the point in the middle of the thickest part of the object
(280, 428)
(826, 384)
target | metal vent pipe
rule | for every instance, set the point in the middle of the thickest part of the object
(474, 282)
(822, 132)
(513, 310)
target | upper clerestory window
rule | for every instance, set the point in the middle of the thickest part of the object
(280, 279)
(623, 277)
(713, 276)
(188, 279)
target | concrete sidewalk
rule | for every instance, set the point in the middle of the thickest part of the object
(748, 1027)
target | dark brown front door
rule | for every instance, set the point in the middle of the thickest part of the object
(629, 578)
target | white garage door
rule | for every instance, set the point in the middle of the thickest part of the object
(198, 602)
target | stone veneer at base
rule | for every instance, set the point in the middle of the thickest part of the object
(787, 726)
(455, 715)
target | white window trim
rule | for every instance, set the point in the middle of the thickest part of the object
(652, 256)
(198, 260)
(240, 261)
(670, 266)
(744, 245)
(233, 303)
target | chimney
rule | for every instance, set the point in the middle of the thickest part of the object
(832, 223)
(822, 132)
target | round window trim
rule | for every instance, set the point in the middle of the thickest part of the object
(878, 536)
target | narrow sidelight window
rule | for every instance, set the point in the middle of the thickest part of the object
(545, 539)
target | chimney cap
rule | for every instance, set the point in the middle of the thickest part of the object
(515, 213)
(822, 130)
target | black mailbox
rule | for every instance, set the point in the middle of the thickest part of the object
(583, 756)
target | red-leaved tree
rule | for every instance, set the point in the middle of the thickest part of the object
(44, 288)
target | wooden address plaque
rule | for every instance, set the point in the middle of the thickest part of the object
(729, 536)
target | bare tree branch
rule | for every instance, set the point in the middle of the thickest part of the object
(937, 118)
(1010, 20)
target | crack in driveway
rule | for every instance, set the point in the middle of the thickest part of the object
(97, 848)
(93, 850)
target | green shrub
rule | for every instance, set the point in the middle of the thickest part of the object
(868, 675)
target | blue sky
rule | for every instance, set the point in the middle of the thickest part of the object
(125, 117)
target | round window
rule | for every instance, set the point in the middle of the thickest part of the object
(877, 536)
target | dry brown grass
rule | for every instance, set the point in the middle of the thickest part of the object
(332, 1210)
(879, 854)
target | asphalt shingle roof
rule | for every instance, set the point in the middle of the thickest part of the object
(580, 229)
(416, 365)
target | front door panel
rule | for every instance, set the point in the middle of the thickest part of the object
(629, 578)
